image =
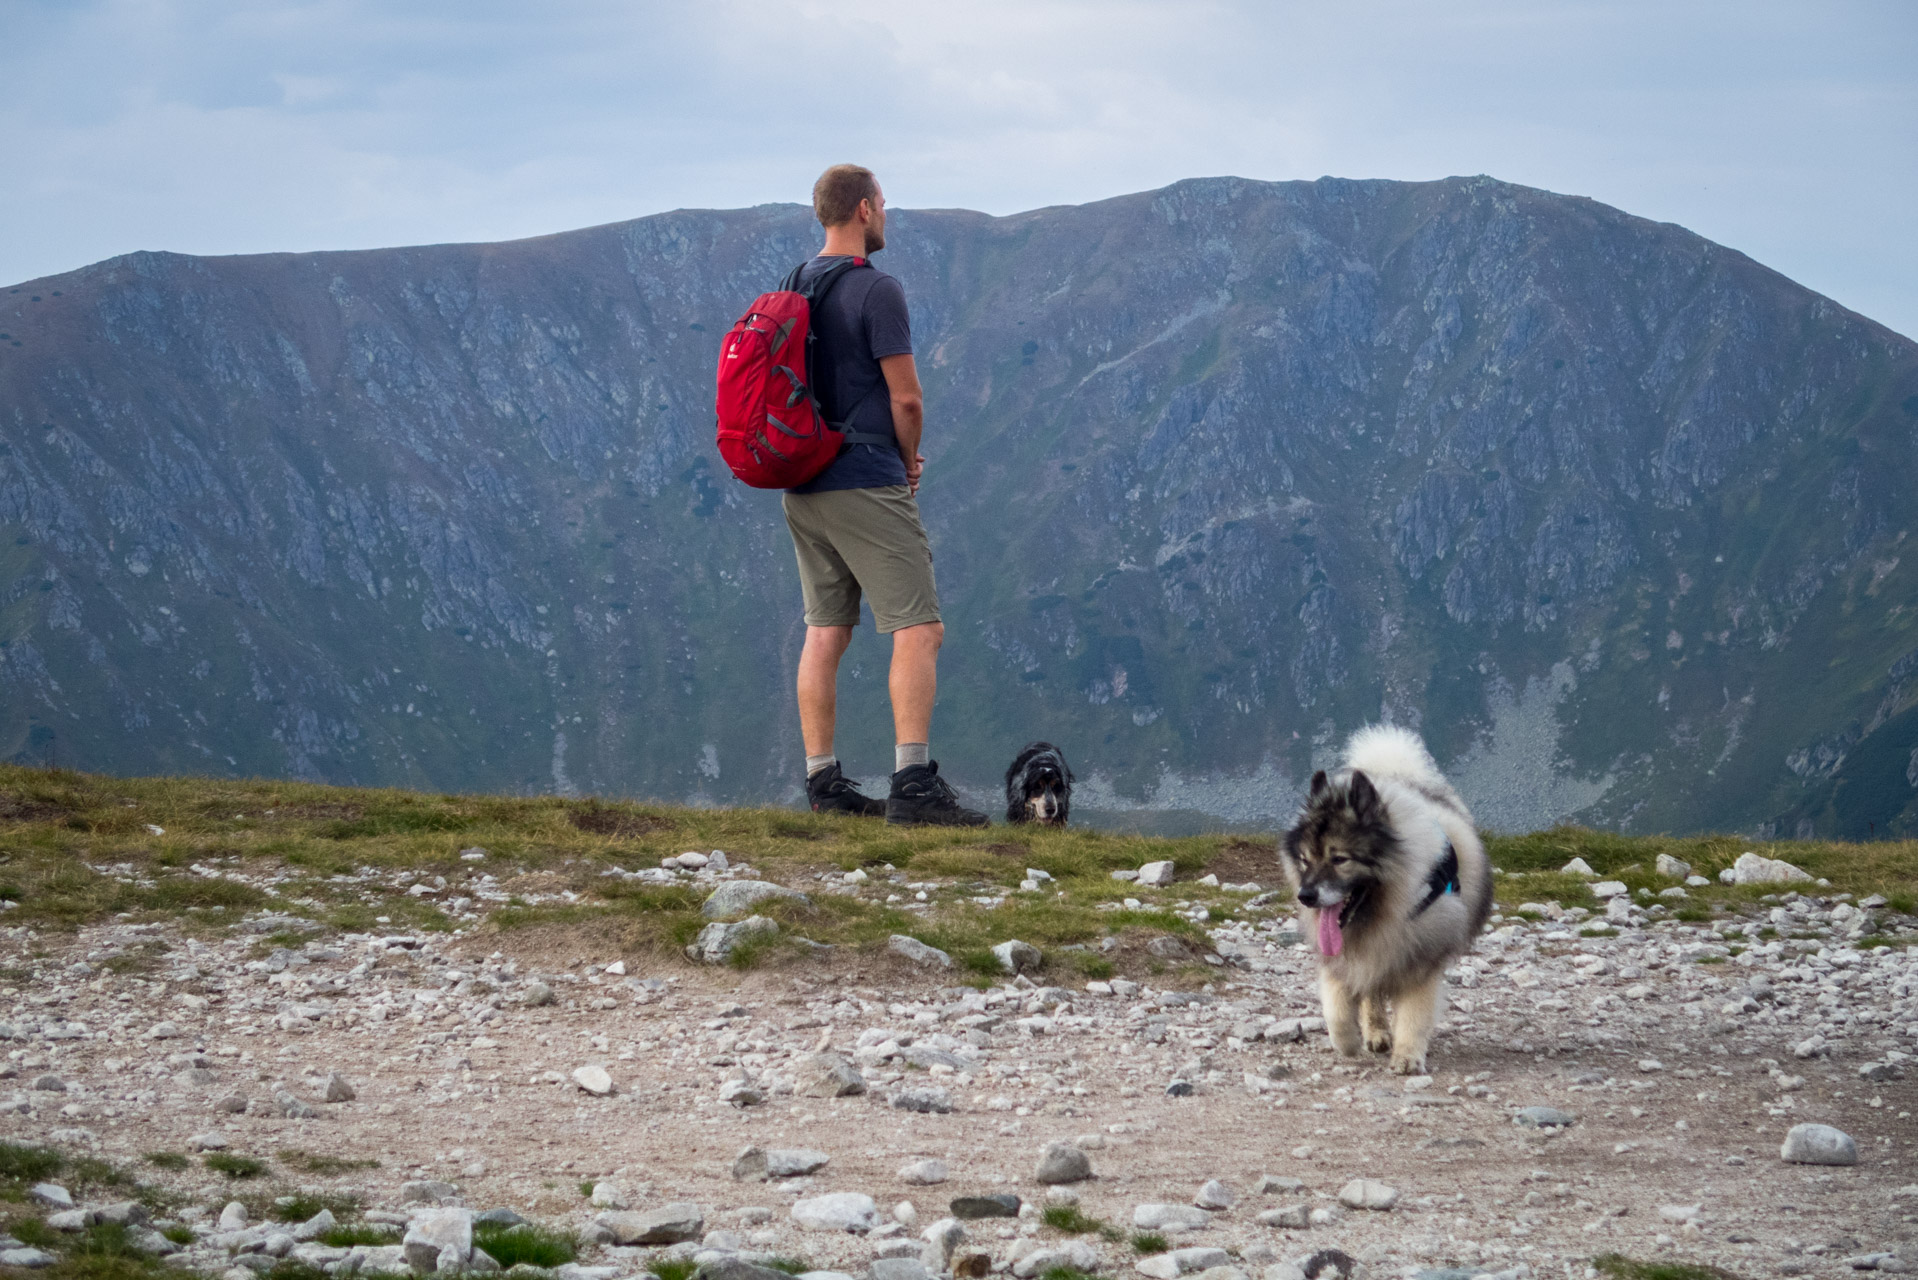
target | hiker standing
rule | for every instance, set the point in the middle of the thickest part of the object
(855, 527)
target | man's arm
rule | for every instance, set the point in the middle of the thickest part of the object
(908, 411)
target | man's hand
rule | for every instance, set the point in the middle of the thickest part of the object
(914, 469)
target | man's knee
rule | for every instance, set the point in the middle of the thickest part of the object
(828, 641)
(925, 636)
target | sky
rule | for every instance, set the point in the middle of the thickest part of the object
(1788, 131)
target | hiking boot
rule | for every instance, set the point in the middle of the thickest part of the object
(829, 791)
(920, 797)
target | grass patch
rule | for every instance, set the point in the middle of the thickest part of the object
(1885, 940)
(346, 1235)
(1090, 965)
(527, 1242)
(1070, 1219)
(170, 1160)
(235, 1166)
(673, 1268)
(1620, 1267)
(22, 1162)
(1710, 960)
(791, 1266)
(179, 1234)
(1602, 931)
(322, 1165)
(1142, 1242)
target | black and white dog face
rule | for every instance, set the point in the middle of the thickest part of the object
(1039, 786)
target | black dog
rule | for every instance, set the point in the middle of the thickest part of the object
(1039, 786)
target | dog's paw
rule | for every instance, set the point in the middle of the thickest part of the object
(1379, 1041)
(1406, 1064)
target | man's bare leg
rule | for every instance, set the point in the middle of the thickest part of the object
(913, 681)
(819, 686)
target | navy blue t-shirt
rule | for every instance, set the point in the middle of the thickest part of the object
(862, 321)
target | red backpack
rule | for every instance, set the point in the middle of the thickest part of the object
(771, 430)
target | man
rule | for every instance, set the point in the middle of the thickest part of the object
(856, 527)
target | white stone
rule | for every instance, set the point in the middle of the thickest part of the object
(51, 1194)
(838, 1211)
(1672, 868)
(717, 942)
(735, 896)
(1608, 889)
(1214, 1195)
(436, 1236)
(1752, 869)
(1156, 873)
(1015, 956)
(756, 1164)
(593, 1080)
(1818, 1144)
(827, 1075)
(1368, 1193)
(1179, 1262)
(923, 1173)
(918, 952)
(1062, 1162)
(1579, 867)
(1154, 1217)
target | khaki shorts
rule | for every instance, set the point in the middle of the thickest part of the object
(870, 540)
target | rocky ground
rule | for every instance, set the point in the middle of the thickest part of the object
(1616, 1082)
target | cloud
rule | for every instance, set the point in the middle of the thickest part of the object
(298, 124)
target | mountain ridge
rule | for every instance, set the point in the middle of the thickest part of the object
(1175, 437)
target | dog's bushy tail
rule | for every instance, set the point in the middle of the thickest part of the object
(1387, 751)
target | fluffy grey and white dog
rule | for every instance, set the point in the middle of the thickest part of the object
(1396, 885)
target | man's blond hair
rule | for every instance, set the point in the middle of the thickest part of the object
(836, 196)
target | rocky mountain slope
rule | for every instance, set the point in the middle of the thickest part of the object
(1218, 472)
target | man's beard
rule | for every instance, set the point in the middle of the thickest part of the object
(875, 239)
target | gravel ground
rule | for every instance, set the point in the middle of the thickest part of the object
(1680, 1054)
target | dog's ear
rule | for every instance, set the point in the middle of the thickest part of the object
(1319, 783)
(1366, 801)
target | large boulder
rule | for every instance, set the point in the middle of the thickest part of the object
(717, 942)
(439, 1240)
(735, 897)
(1752, 869)
(1818, 1144)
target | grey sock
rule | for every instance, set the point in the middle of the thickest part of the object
(907, 754)
(815, 763)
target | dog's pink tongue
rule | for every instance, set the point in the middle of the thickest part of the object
(1331, 938)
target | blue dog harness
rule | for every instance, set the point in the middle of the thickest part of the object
(1444, 877)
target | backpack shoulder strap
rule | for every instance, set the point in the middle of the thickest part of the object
(814, 291)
